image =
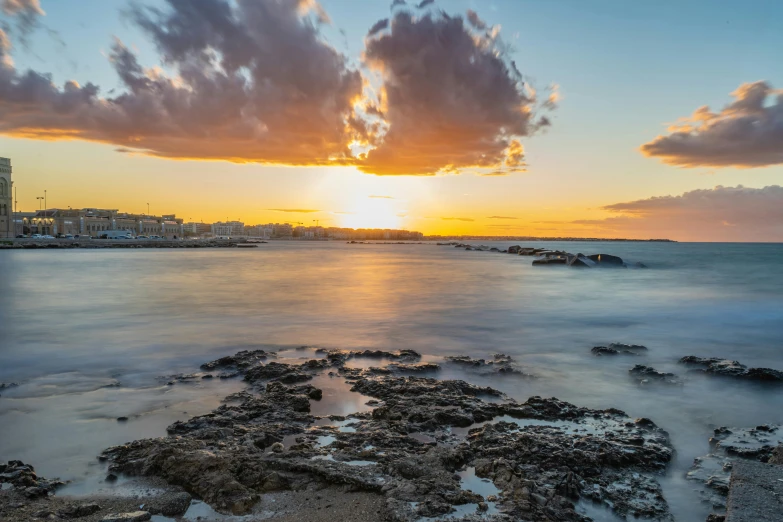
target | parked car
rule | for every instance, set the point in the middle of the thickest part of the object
(21, 236)
(48, 237)
(142, 237)
(82, 236)
(36, 236)
(68, 236)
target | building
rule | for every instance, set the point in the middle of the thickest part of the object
(6, 200)
(94, 221)
(228, 229)
(198, 229)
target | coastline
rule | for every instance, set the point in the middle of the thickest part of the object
(422, 447)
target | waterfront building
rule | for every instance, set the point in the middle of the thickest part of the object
(6, 200)
(198, 229)
(228, 229)
(93, 221)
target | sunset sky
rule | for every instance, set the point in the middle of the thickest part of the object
(502, 117)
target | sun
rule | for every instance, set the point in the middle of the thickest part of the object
(372, 213)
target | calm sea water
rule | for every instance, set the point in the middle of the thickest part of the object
(74, 324)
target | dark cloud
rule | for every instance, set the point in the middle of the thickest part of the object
(255, 83)
(457, 219)
(719, 214)
(501, 217)
(746, 133)
(26, 13)
(450, 99)
(475, 21)
(378, 26)
(295, 210)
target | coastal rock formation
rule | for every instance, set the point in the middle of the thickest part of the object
(730, 446)
(500, 363)
(728, 368)
(23, 478)
(646, 374)
(423, 448)
(618, 349)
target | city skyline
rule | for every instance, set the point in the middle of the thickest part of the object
(637, 121)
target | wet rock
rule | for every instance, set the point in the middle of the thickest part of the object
(242, 360)
(122, 419)
(606, 260)
(776, 456)
(79, 510)
(645, 374)
(580, 261)
(111, 477)
(550, 261)
(170, 504)
(500, 363)
(734, 369)
(619, 348)
(541, 455)
(713, 517)
(23, 478)
(135, 516)
(426, 367)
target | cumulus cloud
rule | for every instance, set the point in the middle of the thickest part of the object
(295, 210)
(747, 133)
(457, 219)
(255, 83)
(718, 214)
(450, 99)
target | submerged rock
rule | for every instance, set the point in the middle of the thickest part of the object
(607, 260)
(619, 348)
(500, 363)
(728, 368)
(644, 374)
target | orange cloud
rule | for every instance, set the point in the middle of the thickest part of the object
(256, 82)
(746, 133)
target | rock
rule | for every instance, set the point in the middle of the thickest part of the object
(606, 260)
(550, 261)
(618, 348)
(79, 510)
(644, 374)
(409, 448)
(499, 364)
(580, 261)
(111, 477)
(777, 455)
(514, 249)
(135, 516)
(734, 369)
(122, 419)
(169, 504)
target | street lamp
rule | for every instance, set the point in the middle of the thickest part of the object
(148, 209)
(40, 201)
(45, 203)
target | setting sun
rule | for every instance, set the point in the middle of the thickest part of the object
(370, 212)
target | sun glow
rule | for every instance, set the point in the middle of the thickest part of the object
(371, 213)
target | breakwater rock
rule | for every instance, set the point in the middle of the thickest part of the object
(427, 447)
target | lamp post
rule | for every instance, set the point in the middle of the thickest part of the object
(46, 205)
(40, 202)
(148, 209)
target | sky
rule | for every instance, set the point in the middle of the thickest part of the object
(568, 118)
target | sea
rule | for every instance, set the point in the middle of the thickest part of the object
(93, 335)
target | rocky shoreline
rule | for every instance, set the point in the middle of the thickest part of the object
(548, 257)
(422, 449)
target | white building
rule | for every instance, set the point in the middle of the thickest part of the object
(228, 229)
(6, 199)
